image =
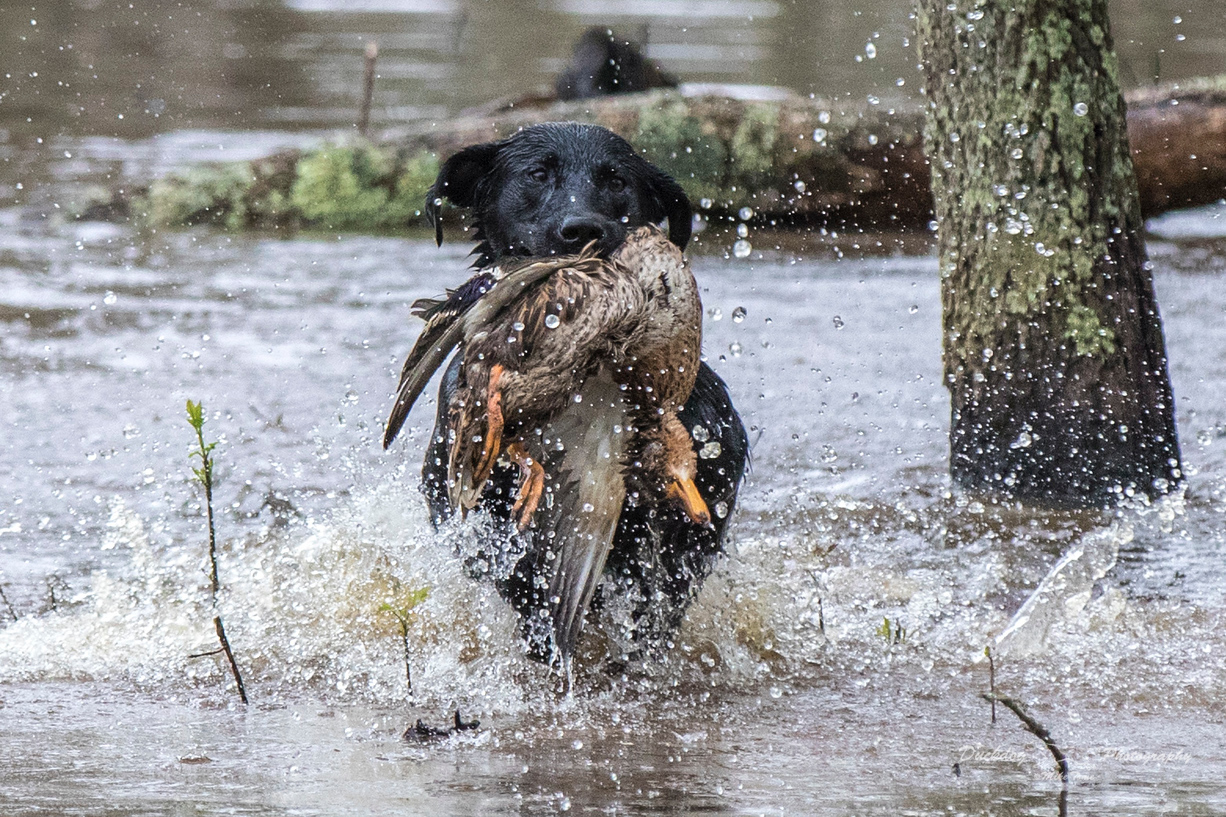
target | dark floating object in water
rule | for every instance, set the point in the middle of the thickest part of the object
(420, 731)
(605, 64)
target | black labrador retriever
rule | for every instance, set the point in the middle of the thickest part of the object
(549, 190)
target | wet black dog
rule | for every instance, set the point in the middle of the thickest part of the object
(549, 190)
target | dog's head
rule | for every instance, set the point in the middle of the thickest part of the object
(551, 189)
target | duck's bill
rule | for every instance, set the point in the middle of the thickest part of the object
(685, 492)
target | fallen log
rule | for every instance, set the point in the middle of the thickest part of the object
(792, 160)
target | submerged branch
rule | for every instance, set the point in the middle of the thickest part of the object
(225, 645)
(1033, 727)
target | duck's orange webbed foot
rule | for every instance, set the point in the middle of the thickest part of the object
(531, 484)
(492, 443)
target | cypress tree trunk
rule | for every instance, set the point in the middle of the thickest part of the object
(1053, 346)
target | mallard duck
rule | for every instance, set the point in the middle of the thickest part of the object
(575, 369)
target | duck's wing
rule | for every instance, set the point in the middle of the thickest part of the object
(582, 452)
(476, 303)
(441, 334)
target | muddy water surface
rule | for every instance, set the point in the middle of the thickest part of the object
(832, 664)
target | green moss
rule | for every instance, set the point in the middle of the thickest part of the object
(338, 188)
(418, 173)
(753, 147)
(678, 143)
(360, 187)
(209, 194)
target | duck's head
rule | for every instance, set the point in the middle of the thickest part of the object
(667, 467)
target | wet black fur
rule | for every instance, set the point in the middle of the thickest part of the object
(550, 189)
(659, 559)
(604, 64)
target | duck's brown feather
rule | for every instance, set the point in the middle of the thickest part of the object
(625, 343)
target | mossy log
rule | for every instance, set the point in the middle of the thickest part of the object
(793, 160)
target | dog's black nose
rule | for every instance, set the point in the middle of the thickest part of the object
(577, 231)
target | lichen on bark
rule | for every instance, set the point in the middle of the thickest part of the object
(1052, 334)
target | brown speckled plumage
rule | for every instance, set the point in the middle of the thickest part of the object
(575, 368)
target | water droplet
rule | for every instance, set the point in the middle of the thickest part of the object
(954, 137)
(735, 348)
(1016, 153)
(824, 117)
(745, 213)
(588, 507)
(715, 313)
(870, 51)
(838, 322)
(819, 135)
(742, 230)
(1081, 109)
(578, 398)
(1023, 441)
(913, 309)
(1013, 226)
(742, 248)
(552, 321)
(721, 509)
(518, 326)
(700, 433)
(110, 298)
(710, 451)
(576, 745)
(799, 185)
(739, 314)
(705, 204)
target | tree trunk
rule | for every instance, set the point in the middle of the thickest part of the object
(1054, 355)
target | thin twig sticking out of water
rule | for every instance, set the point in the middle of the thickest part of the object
(8, 604)
(368, 87)
(195, 416)
(991, 678)
(821, 613)
(54, 581)
(1033, 727)
(404, 615)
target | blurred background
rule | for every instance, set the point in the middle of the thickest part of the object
(133, 70)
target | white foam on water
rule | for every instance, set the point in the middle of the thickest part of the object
(787, 608)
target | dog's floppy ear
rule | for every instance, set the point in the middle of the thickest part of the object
(669, 200)
(459, 181)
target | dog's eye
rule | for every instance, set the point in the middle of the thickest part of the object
(617, 184)
(538, 174)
